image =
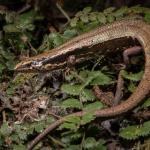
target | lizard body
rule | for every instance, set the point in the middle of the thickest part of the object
(56, 58)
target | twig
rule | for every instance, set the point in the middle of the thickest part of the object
(24, 8)
(32, 48)
(63, 12)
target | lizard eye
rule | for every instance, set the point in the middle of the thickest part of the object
(35, 63)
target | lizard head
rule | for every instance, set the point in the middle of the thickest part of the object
(43, 64)
(29, 66)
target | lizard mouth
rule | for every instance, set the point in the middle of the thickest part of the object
(23, 67)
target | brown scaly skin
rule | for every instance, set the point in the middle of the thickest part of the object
(126, 28)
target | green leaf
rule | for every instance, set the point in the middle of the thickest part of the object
(71, 103)
(84, 18)
(145, 129)
(27, 18)
(146, 103)
(49, 120)
(10, 17)
(93, 106)
(134, 132)
(72, 147)
(56, 38)
(94, 78)
(87, 9)
(10, 90)
(70, 126)
(69, 136)
(89, 143)
(100, 78)
(87, 95)
(132, 76)
(136, 9)
(30, 128)
(14, 137)
(75, 136)
(78, 14)
(11, 28)
(39, 126)
(19, 147)
(92, 16)
(100, 145)
(131, 87)
(147, 17)
(7, 55)
(130, 133)
(84, 74)
(110, 18)
(71, 122)
(73, 22)
(10, 64)
(69, 33)
(91, 76)
(2, 67)
(73, 119)
(109, 10)
(25, 21)
(88, 117)
(101, 18)
(66, 138)
(120, 12)
(71, 89)
(21, 132)
(90, 26)
(5, 130)
(22, 135)
(46, 44)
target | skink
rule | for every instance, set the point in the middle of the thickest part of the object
(81, 48)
